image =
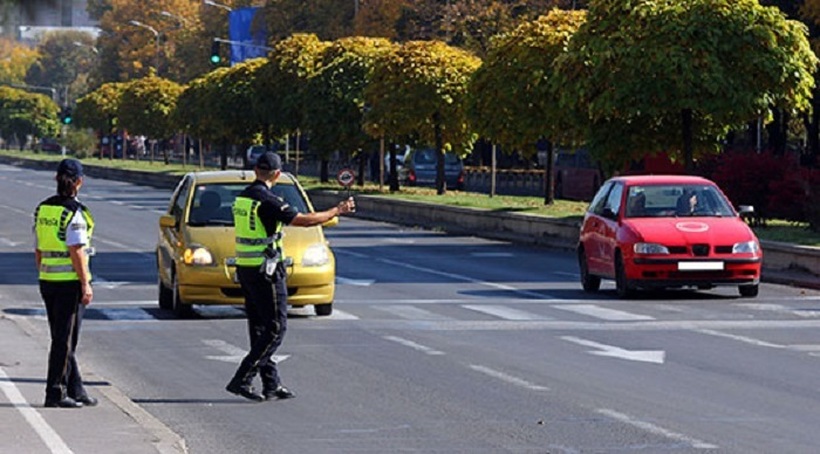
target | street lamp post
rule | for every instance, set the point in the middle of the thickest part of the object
(153, 30)
(218, 5)
(180, 19)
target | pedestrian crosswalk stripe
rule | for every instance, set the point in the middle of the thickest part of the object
(504, 312)
(603, 313)
(411, 313)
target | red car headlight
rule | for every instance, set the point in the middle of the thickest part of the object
(650, 248)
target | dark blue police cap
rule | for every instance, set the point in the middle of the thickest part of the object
(70, 167)
(269, 161)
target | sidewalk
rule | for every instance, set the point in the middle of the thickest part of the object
(115, 425)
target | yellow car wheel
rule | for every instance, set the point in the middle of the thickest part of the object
(180, 309)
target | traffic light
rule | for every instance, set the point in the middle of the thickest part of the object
(216, 58)
(65, 116)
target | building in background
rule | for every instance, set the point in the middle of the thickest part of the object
(27, 20)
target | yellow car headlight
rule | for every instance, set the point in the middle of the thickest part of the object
(316, 255)
(197, 255)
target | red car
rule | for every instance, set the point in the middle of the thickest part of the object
(666, 231)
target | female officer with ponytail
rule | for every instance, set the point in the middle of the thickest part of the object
(63, 228)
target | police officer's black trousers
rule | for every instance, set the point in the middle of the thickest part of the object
(266, 306)
(65, 313)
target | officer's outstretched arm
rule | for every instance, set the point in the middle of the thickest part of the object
(311, 219)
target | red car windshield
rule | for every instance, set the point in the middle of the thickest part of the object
(676, 200)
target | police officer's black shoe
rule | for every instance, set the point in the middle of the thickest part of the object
(87, 401)
(280, 392)
(245, 391)
(65, 402)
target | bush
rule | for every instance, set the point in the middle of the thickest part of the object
(81, 142)
(775, 185)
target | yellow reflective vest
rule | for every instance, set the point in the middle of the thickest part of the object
(50, 225)
(251, 236)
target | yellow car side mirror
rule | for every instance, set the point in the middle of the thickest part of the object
(167, 221)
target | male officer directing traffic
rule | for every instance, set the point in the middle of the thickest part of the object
(259, 215)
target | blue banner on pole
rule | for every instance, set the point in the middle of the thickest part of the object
(241, 31)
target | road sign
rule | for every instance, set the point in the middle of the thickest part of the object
(345, 177)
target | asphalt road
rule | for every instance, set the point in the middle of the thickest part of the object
(438, 344)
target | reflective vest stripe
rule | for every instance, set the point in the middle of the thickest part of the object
(57, 269)
(54, 254)
(255, 241)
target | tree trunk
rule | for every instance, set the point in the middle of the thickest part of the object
(812, 134)
(549, 186)
(777, 131)
(394, 171)
(688, 155)
(324, 171)
(441, 184)
(223, 155)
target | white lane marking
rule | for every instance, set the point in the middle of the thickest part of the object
(411, 313)
(567, 274)
(603, 312)
(807, 348)
(8, 242)
(491, 254)
(464, 278)
(504, 312)
(16, 210)
(35, 420)
(233, 354)
(744, 339)
(102, 282)
(400, 240)
(780, 308)
(413, 345)
(654, 429)
(508, 378)
(646, 356)
(355, 282)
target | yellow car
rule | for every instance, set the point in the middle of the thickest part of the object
(196, 248)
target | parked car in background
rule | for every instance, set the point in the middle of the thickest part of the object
(667, 231)
(420, 168)
(576, 175)
(196, 247)
(50, 145)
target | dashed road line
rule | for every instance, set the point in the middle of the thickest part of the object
(603, 313)
(504, 312)
(520, 382)
(413, 345)
(654, 429)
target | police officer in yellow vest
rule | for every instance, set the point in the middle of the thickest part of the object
(258, 218)
(63, 228)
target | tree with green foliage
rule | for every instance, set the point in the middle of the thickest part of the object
(654, 76)
(146, 106)
(235, 114)
(420, 90)
(99, 109)
(15, 60)
(197, 111)
(335, 96)
(511, 101)
(23, 114)
(65, 57)
(282, 81)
